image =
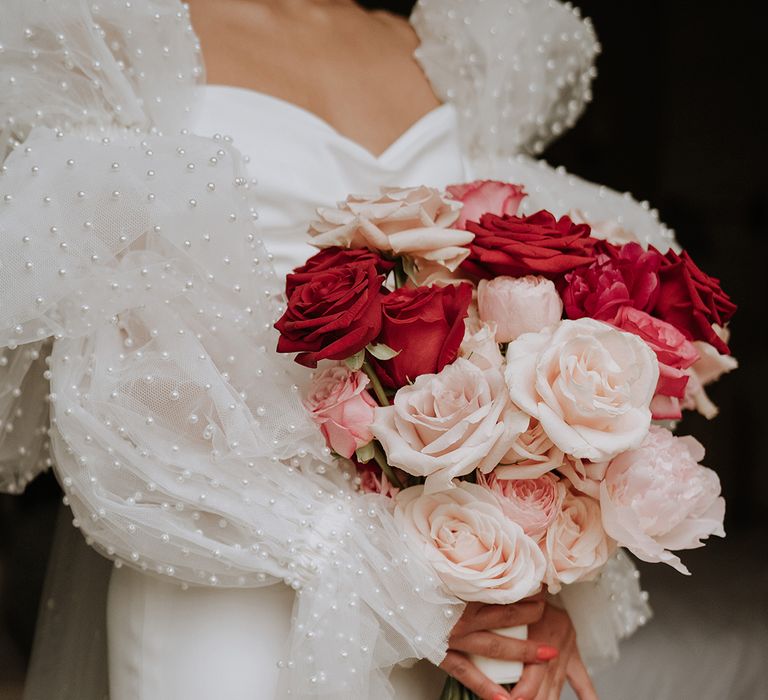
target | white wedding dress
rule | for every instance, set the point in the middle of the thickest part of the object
(141, 258)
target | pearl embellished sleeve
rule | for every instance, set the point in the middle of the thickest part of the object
(518, 71)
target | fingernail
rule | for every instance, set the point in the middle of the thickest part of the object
(545, 653)
(499, 696)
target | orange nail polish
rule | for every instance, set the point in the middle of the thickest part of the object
(545, 653)
(499, 696)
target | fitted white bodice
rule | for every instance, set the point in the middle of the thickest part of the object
(301, 162)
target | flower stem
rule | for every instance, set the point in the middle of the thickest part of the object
(381, 460)
(378, 389)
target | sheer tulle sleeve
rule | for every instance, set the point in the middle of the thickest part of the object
(177, 432)
(519, 71)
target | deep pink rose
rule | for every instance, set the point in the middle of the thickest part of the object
(486, 197)
(620, 276)
(674, 352)
(342, 408)
(692, 301)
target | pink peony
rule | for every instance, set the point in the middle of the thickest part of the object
(486, 197)
(531, 503)
(658, 498)
(620, 276)
(478, 552)
(674, 352)
(518, 305)
(342, 408)
(576, 545)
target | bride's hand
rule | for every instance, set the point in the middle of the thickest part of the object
(471, 636)
(546, 681)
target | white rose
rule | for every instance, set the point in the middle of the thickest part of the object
(478, 553)
(449, 424)
(589, 385)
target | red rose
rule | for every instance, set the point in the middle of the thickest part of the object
(486, 197)
(331, 258)
(426, 324)
(332, 313)
(620, 276)
(692, 301)
(527, 245)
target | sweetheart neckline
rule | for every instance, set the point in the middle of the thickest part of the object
(415, 128)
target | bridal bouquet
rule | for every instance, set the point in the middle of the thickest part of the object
(510, 383)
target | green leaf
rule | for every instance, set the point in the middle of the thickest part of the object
(382, 351)
(356, 361)
(365, 453)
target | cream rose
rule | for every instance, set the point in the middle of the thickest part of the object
(576, 545)
(480, 346)
(589, 385)
(478, 553)
(518, 305)
(532, 455)
(532, 503)
(585, 476)
(659, 498)
(448, 424)
(414, 222)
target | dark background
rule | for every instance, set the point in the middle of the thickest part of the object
(675, 122)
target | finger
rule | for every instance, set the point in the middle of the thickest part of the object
(530, 682)
(491, 617)
(463, 670)
(546, 686)
(578, 677)
(498, 647)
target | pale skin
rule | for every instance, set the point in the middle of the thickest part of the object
(355, 69)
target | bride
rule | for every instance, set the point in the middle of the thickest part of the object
(146, 222)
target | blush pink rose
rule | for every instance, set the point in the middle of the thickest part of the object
(478, 552)
(518, 305)
(659, 498)
(531, 503)
(342, 408)
(587, 383)
(448, 424)
(532, 455)
(486, 197)
(624, 275)
(576, 545)
(674, 352)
